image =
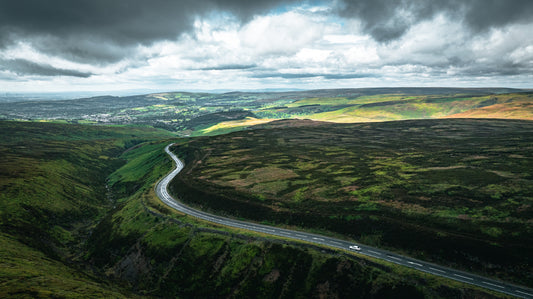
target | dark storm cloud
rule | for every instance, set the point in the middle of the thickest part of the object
(386, 20)
(485, 14)
(106, 31)
(25, 67)
(496, 70)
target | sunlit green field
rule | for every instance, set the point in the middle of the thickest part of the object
(196, 114)
(387, 107)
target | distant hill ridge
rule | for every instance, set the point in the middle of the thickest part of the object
(189, 113)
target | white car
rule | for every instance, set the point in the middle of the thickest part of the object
(355, 247)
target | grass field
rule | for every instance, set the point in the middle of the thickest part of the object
(388, 107)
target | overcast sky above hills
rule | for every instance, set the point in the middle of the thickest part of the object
(66, 45)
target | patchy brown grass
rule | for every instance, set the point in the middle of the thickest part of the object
(268, 174)
(415, 185)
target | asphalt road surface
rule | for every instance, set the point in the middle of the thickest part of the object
(499, 286)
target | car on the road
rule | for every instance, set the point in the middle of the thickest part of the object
(355, 247)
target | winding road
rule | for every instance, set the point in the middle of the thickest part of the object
(495, 285)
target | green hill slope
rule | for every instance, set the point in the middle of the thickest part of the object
(406, 104)
(52, 189)
(193, 114)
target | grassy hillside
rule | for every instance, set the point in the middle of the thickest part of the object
(53, 176)
(514, 106)
(194, 114)
(52, 189)
(386, 107)
(26, 272)
(457, 192)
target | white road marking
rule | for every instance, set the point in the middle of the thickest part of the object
(374, 252)
(413, 263)
(463, 276)
(524, 293)
(494, 285)
(438, 270)
(320, 239)
(396, 258)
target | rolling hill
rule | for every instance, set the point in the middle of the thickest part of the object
(209, 114)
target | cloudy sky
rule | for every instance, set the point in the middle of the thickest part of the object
(102, 45)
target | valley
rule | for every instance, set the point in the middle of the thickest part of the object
(266, 149)
(78, 198)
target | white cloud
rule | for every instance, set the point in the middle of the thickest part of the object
(433, 42)
(523, 54)
(221, 53)
(507, 44)
(280, 34)
(25, 51)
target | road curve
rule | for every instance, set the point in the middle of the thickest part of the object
(495, 285)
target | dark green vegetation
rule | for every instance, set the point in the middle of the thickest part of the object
(208, 114)
(52, 189)
(53, 177)
(145, 246)
(63, 235)
(457, 192)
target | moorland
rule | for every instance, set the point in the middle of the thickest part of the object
(456, 192)
(78, 215)
(79, 218)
